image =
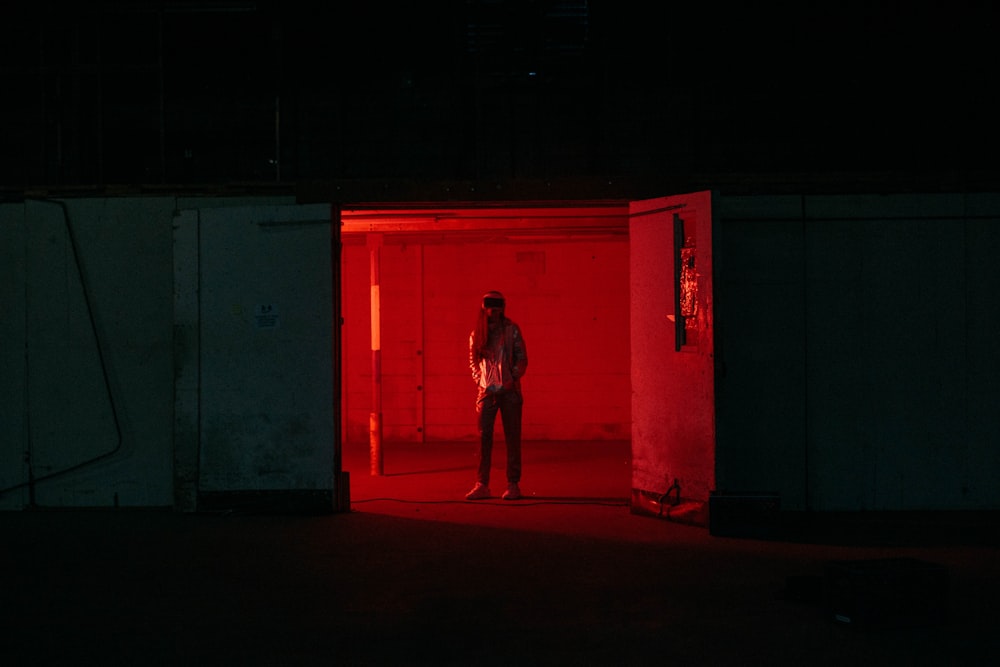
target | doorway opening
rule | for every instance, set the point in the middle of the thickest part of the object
(412, 278)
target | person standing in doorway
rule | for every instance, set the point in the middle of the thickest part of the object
(498, 358)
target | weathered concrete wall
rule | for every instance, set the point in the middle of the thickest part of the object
(858, 368)
(856, 360)
(266, 316)
(570, 298)
(672, 355)
(91, 404)
(88, 376)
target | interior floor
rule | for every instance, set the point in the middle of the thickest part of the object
(414, 574)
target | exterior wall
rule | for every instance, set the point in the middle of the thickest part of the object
(265, 369)
(856, 360)
(93, 401)
(13, 358)
(856, 368)
(570, 298)
(87, 389)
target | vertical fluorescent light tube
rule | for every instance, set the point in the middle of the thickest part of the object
(375, 419)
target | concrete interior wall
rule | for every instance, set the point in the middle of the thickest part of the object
(672, 349)
(570, 298)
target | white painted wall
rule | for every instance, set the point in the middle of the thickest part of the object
(266, 342)
(570, 298)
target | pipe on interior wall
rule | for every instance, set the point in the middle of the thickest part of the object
(375, 419)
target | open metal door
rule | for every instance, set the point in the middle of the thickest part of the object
(259, 430)
(672, 356)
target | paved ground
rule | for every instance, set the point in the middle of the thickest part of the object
(414, 575)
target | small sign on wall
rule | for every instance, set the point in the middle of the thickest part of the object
(265, 316)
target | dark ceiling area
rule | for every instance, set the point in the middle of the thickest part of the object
(275, 94)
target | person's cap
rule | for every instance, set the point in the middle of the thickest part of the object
(493, 299)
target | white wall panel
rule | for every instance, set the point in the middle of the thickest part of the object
(266, 307)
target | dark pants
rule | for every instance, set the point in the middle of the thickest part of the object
(508, 404)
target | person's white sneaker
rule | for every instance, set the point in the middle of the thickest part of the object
(478, 492)
(513, 492)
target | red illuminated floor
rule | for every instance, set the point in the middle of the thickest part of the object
(569, 487)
